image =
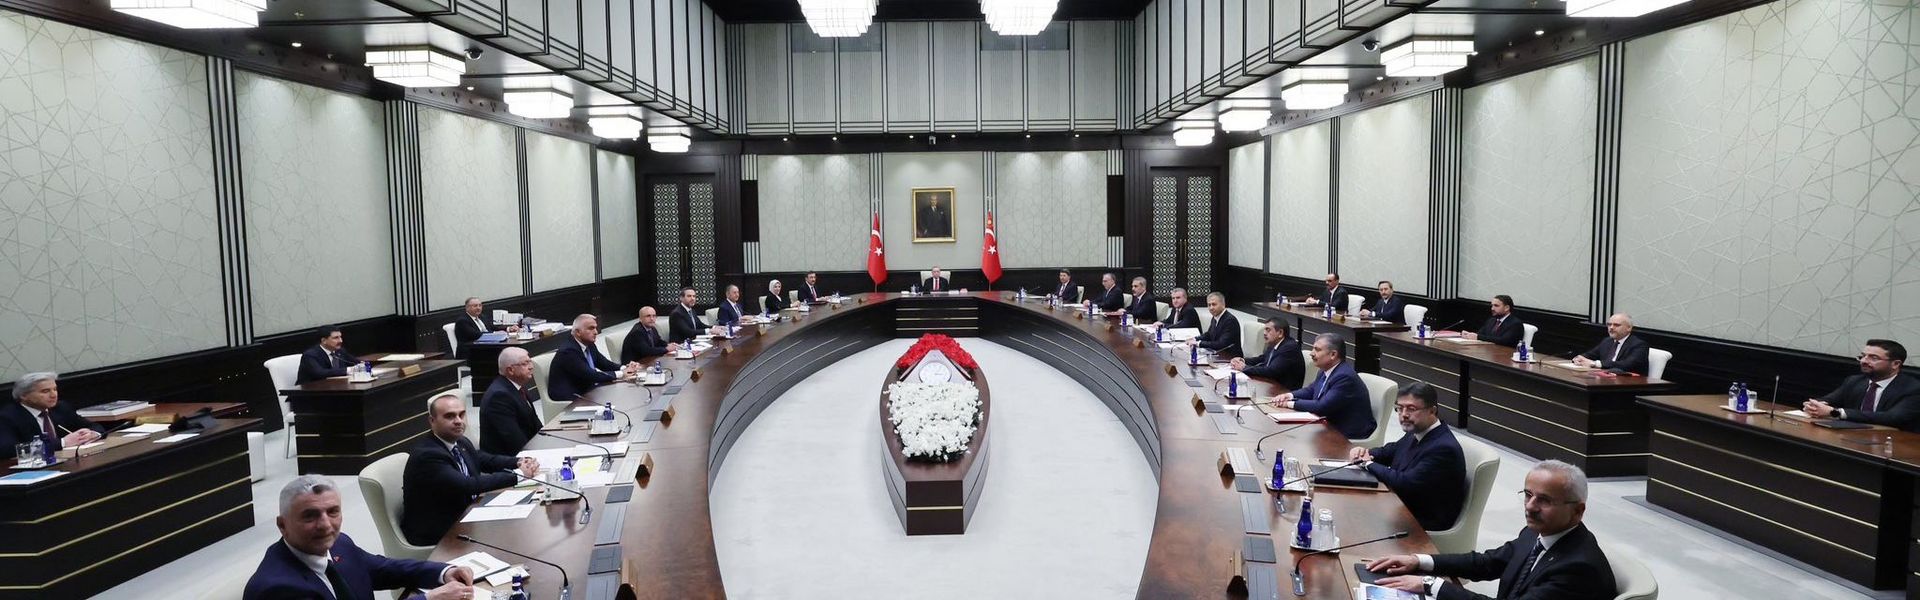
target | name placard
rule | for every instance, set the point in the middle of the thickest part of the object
(409, 370)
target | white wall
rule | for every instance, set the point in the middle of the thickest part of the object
(560, 209)
(619, 221)
(813, 212)
(1051, 209)
(962, 171)
(1384, 180)
(1300, 192)
(1246, 205)
(471, 194)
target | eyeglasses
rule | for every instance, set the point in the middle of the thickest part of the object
(1864, 356)
(1528, 497)
(1408, 409)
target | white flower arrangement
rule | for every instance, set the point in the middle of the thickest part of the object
(935, 421)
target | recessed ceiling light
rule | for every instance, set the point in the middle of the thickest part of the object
(1379, 77)
(195, 14)
(1076, 135)
(783, 139)
(836, 138)
(1029, 136)
(469, 88)
(296, 44)
(1539, 32)
(416, 66)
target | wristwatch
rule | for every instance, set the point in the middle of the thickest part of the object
(1432, 583)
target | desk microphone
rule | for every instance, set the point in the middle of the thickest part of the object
(1310, 474)
(566, 588)
(1455, 324)
(1263, 439)
(586, 511)
(1299, 585)
(606, 455)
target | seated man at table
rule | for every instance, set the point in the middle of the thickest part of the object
(1281, 362)
(685, 322)
(644, 340)
(1880, 394)
(1554, 557)
(471, 326)
(445, 473)
(37, 412)
(1621, 352)
(1389, 308)
(1503, 327)
(1425, 467)
(579, 367)
(730, 307)
(1337, 394)
(775, 300)
(1111, 298)
(809, 292)
(1066, 291)
(509, 411)
(325, 359)
(1223, 338)
(313, 559)
(1179, 314)
(935, 282)
(1334, 295)
(1143, 309)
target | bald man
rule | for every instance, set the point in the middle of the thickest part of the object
(510, 410)
(1621, 352)
(644, 340)
(578, 366)
(445, 473)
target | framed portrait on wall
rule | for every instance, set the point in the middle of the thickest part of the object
(932, 214)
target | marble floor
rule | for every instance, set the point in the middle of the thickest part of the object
(803, 517)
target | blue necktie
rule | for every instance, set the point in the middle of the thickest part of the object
(1324, 377)
(460, 457)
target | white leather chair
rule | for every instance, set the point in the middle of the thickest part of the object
(1530, 329)
(1381, 391)
(928, 274)
(664, 326)
(257, 455)
(542, 365)
(793, 296)
(453, 343)
(473, 426)
(1083, 292)
(1309, 372)
(1127, 299)
(382, 486)
(711, 317)
(1253, 339)
(1657, 362)
(1414, 313)
(1353, 303)
(465, 375)
(1630, 576)
(1483, 464)
(1206, 319)
(284, 370)
(1161, 310)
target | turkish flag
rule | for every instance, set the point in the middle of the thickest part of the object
(990, 253)
(877, 255)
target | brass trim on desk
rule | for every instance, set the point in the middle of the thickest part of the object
(1522, 433)
(139, 517)
(1873, 526)
(1581, 410)
(1442, 387)
(1480, 400)
(1804, 474)
(1777, 523)
(130, 490)
(965, 318)
(126, 552)
(361, 435)
(914, 508)
(373, 453)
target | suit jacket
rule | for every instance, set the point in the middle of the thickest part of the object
(465, 331)
(731, 312)
(926, 285)
(1183, 317)
(315, 366)
(1143, 309)
(1633, 355)
(1506, 332)
(1898, 406)
(1430, 476)
(1068, 293)
(507, 417)
(1110, 300)
(684, 324)
(808, 293)
(1573, 569)
(281, 575)
(570, 376)
(1340, 396)
(1337, 297)
(642, 342)
(1224, 337)
(18, 426)
(1391, 309)
(1282, 363)
(773, 303)
(435, 492)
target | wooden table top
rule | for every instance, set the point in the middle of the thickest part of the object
(1865, 444)
(173, 409)
(336, 385)
(1317, 313)
(667, 535)
(123, 453)
(1488, 353)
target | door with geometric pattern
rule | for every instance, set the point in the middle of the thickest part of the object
(684, 248)
(1184, 214)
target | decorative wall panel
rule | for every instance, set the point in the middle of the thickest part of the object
(470, 184)
(1050, 209)
(560, 205)
(1301, 191)
(963, 171)
(1768, 188)
(1166, 234)
(813, 212)
(1246, 205)
(1384, 182)
(619, 221)
(319, 245)
(666, 243)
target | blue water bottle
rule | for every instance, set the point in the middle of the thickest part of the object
(1194, 351)
(1279, 468)
(519, 588)
(1303, 536)
(566, 470)
(1233, 385)
(1740, 398)
(1160, 334)
(1525, 356)
(1420, 330)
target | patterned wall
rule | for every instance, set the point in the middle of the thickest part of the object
(902, 172)
(1246, 205)
(560, 205)
(1768, 176)
(108, 241)
(1301, 190)
(1527, 187)
(471, 187)
(619, 221)
(319, 248)
(1050, 209)
(813, 212)
(1384, 181)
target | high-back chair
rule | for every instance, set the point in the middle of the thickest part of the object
(1657, 362)
(284, 371)
(1483, 464)
(1381, 392)
(382, 484)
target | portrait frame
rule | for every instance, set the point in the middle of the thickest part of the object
(923, 197)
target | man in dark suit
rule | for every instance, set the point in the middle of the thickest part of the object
(445, 473)
(1111, 298)
(1425, 467)
(1180, 315)
(1337, 394)
(933, 219)
(644, 340)
(1334, 295)
(730, 307)
(579, 367)
(809, 292)
(38, 412)
(1503, 327)
(1281, 362)
(1555, 557)
(325, 359)
(1879, 395)
(1223, 338)
(935, 282)
(1143, 308)
(775, 300)
(685, 321)
(1389, 308)
(471, 325)
(508, 413)
(314, 560)
(1066, 291)
(1621, 352)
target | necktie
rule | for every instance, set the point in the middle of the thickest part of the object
(587, 353)
(479, 324)
(1616, 350)
(936, 284)
(1322, 391)
(46, 423)
(333, 360)
(340, 590)
(1526, 572)
(1871, 402)
(460, 458)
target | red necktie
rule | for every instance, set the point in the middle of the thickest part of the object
(1873, 398)
(46, 422)
(936, 284)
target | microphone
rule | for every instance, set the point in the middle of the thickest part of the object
(1299, 585)
(1455, 324)
(1310, 474)
(586, 511)
(1257, 453)
(566, 587)
(606, 455)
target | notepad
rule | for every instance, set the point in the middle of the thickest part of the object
(148, 428)
(509, 498)
(497, 513)
(174, 438)
(403, 357)
(1219, 373)
(1292, 417)
(30, 477)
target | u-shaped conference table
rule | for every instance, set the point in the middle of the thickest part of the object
(659, 542)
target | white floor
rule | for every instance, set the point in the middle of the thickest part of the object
(803, 516)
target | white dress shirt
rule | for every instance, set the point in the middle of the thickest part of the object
(1546, 542)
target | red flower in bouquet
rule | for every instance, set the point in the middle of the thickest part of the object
(934, 341)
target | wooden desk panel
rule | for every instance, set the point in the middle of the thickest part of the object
(1363, 347)
(341, 427)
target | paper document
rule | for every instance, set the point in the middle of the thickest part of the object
(1797, 414)
(402, 357)
(1328, 462)
(148, 428)
(29, 477)
(1219, 373)
(1461, 340)
(549, 458)
(1181, 334)
(1169, 345)
(174, 438)
(584, 409)
(508, 498)
(614, 448)
(1567, 364)
(497, 513)
(1292, 417)
(594, 479)
(486, 566)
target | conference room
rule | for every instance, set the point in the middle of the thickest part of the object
(1594, 299)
